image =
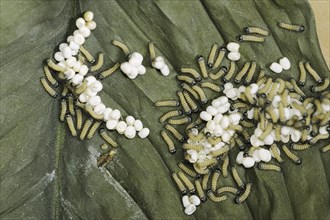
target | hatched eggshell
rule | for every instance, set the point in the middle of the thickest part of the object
(58, 56)
(111, 124)
(254, 88)
(121, 127)
(276, 68)
(205, 116)
(99, 109)
(144, 133)
(96, 86)
(255, 156)
(224, 122)
(165, 70)
(240, 157)
(83, 97)
(217, 118)
(85, 31)
(195, 200)
(285, 63)
(234, 56)
(138, 125)
(211, 110)
(233, 47)
(115, 114)
(77, 79)
(190, 209)
(210, 125)
(130, 120)
(248, 162)
(83, 70)
(94, 101)
(141, 70)
(80, 22)
(106, 114)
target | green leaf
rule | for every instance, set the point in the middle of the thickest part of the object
(47, 174)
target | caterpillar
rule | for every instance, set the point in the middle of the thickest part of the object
(186, 79)
(169, 142)
(212, 53)
(267, 131)
(98, 65)
(231, 72)
(237, 178)
(261, 80)
(65, 90)
(197, 147)
(235, 127)
(188, 171)
(81, 88)
(291, 155)
(302, 76)
(214, 140)
(237, 105)
(71, 105)
(220, 151)
(94, 127)
(250, 38)
(109, 71)
(248, 95)
(184, 103)
(291, 27)
(322, 87)
(167, 103)
(250, 73)
(175, 132)
(122, 46)
(289, 86)
(152, 51)
(313, 73)
(69, 121)
(202, 170)
(219, 74)
(180, 121)
(272, 167)
(318, 138)
(229, 189)
(296, 88)
(79, 118)
(105, 136)
(267, 86)
(200, 190)
(79, 104)
(50, 77)
(190, 101)
(219, 58)
(48, 88)
(225, 165)
(85, 128)
(245, 194)
(192, 72)
(211, 86)
(272, 92)
(281, 86)
(277, 129)
(54, 66)
(202, 66)
(104, 159)
(295, 146)
(200, 93)
(271, 112)
(239, 142)
(187, 182)
(215, 178)
(87, 54)
(284, 97)
(300, 108)
(325, 148)
(214, 198)
(190, 90)
(90, 111)
(81, 58)
(205, 181)
(261, 75)
(63, 109)
(179, 184)
(242, 73)
(256, 30)
(275, 151)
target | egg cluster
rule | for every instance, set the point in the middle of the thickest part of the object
(134, 66)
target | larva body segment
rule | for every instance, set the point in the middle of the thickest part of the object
(188, 170)
(105, 136)
(219, 58)
(242, 73)
(64, 108)
(51, 64)
(192, 72)
(237, 178)
(215, 178)
(79, 118)
(313, 73)
(215, 198)
(200, 93)
(50, 77)
(250, 73)
(218, 75)
(48, 88)
(180, 121)
(85, 128)
(202, 66)
(230, 72)
(179, 184)
(175, 132)
(109, 71)
(192, 104)
(168, 141)
(291, 27)
(200, 190)
(170, 114)
(187, 182)
(322, 87)
(167, 103)
(93, 129)
(71, 105)
(87, 54)
(184, 103)
(256, 30)
(152, 50)
(269, 167)
(245, 194)
(211, 86)
(71, 125)
(302, 76)
(122, 46)
(98, 65)
(212, 53)
(250, 38)
(291, 155)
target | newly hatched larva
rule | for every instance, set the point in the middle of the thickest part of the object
(81, 58)
(263, 90)
(202, 66)
(318, 106)
(87, 54)
(186, 79)
(277, 128)
(302, 76)
(304, 135)
(250, 73)
(175, 132)
(98, 65)
(64, 108)
(296, 88)
(291, 27)
(284, 97)
(79, 118)
(281, 86)
(70, 123)
(256, 30)
(300, 108)
(213, 140)
(200, 191)
(197, 137)
(168, 141)
(289, 86)
(248, 95)
(313, 73)
(50, 77)
(192, 72)
(105, 136)
(215, 178)
(291, 155)
(220, 151)
(275, 151)
(205, 181)
(239, 142)
(167, 103)
(81, 88)
(187, 182)
(246, 135)
(230, 72)
(201, 170)
(219, 58)
(272, 92)
(85, 128)
(250, 38)
(79, 104)
(242, 73)
(109, 71)
(184, 103)
(326, 148)
(237, 105)
(229, 189)
(91, 112)
(194, 124)
(237, 178)
(180, 121)
(197, 147)
(65, 90)
(215, 198)
(210, 60)
(93, 129)
(200, 93)
(188, 170)
(192, 104)
(267, 131)
(273, 116)
(261, 75)
(190, 90)
(270, 167)
(295, 146)
(48, 88)
(122, 46)
(224, 166)
(247, 124)
(179, 184)
(235, 127)
(71, 105)
(211, 86)
(245, 194)
(152, 50)
(318, 138)
(322, 87)
(54, 66)
(105, 159)
(219, 74)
